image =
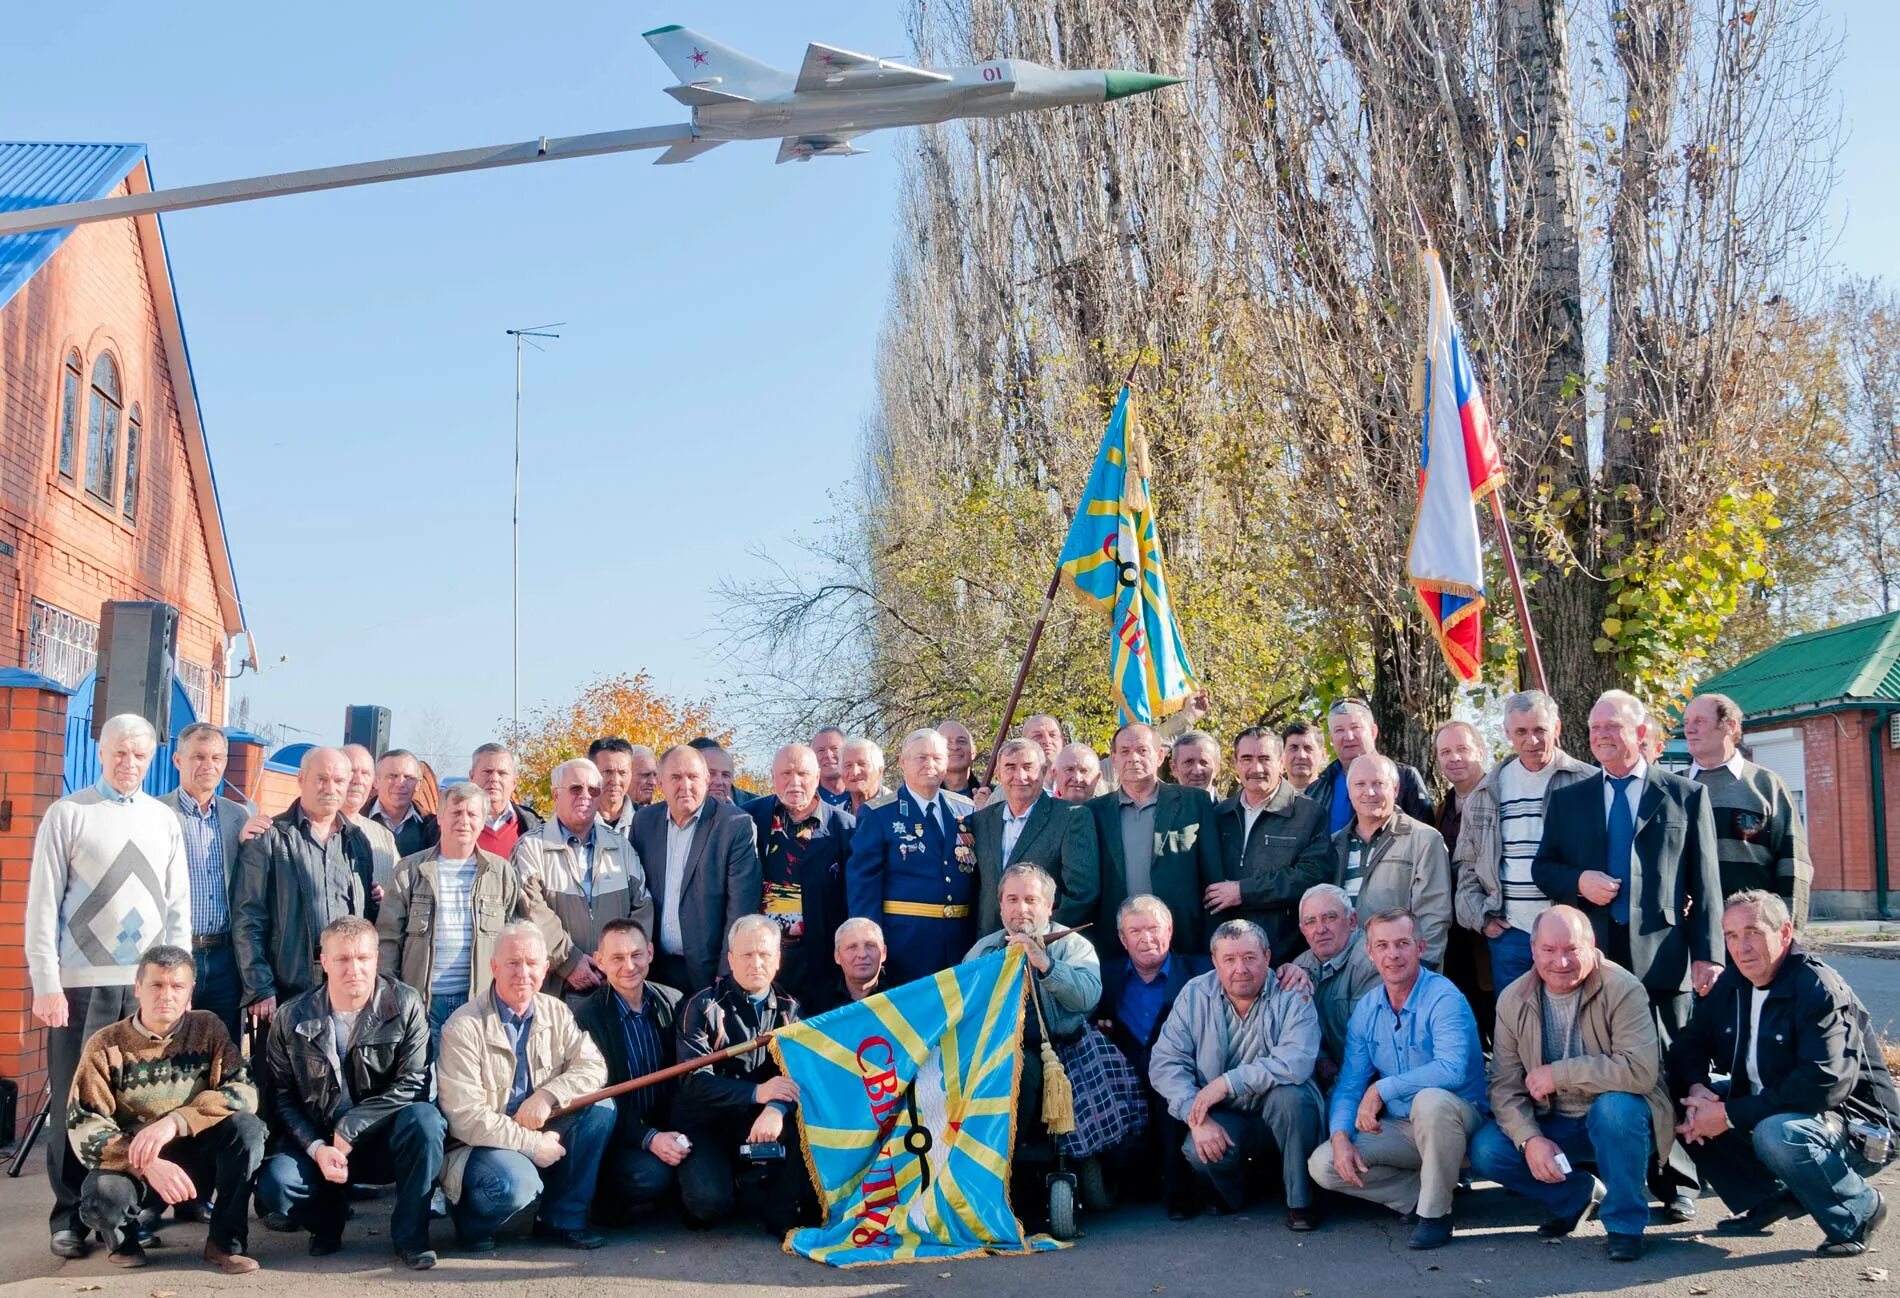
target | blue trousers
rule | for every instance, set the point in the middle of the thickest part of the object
(440, 1007)
(1803, 1152)
(407, 1149)
(218, 987)
(498, 1183)
(1510, 957)
(1615, 1136)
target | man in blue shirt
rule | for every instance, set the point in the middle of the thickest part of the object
(1400, 1140)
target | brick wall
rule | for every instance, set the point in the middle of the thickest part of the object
(70, 549)
(1840, 811)
(32, 757)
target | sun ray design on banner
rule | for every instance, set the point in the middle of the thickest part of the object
(907, 1109)
(1112, 559)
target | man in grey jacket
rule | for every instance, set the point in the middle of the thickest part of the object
(1384, 858)
(1503, 822)
(1235, 1065)
(576, 873)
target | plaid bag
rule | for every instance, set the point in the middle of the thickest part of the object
(1110, 1104)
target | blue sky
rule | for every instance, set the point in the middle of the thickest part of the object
(720, 326)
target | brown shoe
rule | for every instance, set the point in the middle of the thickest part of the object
(229, 1263)
(128, 1256)
(1302, 1219)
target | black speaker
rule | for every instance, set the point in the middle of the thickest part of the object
(137, 642)
(368, 725)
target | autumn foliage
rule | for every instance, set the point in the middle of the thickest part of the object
(627, 706)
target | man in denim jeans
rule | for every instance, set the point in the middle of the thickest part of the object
(1779, 1137)
(1576, 1078)
(508, 1060)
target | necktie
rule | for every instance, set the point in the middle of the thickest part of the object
(1622, 841)
(933, 828)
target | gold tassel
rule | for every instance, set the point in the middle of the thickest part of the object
(1058, 1100)
(1058, 1097)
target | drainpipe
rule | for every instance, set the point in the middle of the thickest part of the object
(1877, 771)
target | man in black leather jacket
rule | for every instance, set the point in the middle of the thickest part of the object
(349, 1100)
(1795, 1128)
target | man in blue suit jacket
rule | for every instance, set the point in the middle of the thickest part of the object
(913, 866)
(803, 844)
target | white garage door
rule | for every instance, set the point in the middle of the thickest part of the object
(1781, 752)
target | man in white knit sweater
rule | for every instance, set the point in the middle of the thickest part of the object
(108, 880)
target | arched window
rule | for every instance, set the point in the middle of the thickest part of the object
(102, 429)
(132, 423)
(70, 382)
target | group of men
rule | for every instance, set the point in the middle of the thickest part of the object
(1303, 973)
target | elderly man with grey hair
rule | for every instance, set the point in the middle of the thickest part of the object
(1334, 970)
(1758, 830)
(1503, 824)
(509, 1059)
(1027, 825)
(861, 768)
(913, 865)
(1634, 848)
(108, 879)
(803, 843)
(576, 873)
(1235, 1064)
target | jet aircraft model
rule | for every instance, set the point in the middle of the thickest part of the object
(834, 97)
(838, 95)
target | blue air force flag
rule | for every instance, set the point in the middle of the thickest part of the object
(907, 1107)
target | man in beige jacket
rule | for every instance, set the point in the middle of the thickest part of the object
(1386, 860)
(1576, 1078)
(508, 1060)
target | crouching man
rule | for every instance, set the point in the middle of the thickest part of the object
(739, 1109)
(348, 1063)
(161, 1104)
(1235, 1064)
(1576, 1080)
(508, 1061)
(1808, 1109)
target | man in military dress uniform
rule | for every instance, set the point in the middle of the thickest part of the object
(913, 866)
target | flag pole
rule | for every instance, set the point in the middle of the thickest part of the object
(1534, 658)
(686, 1066)
(1035, 633)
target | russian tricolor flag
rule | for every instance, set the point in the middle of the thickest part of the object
(1459, 467)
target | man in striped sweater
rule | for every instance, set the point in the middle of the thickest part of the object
(1758, 833)
(108, 880)
(161, 1105)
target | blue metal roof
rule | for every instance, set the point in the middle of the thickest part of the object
(39, 175)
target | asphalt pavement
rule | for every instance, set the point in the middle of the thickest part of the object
(1359, 1253)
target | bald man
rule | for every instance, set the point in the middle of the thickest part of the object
(1576, 1087)
(804, 842)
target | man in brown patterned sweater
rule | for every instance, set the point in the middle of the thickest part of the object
(161, 1103)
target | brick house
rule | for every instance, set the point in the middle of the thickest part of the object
(1822, 710)
(106, 492)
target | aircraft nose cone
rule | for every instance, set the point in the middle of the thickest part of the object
(1123, 84)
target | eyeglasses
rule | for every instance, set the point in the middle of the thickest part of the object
(1341, 705)
(591, 790)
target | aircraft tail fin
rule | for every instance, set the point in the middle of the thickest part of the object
(694, 57)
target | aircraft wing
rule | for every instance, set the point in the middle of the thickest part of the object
(686, 151)
(827, 68)
(698, 94)
(803, 148)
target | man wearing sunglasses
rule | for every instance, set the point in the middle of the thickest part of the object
(577, 873)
